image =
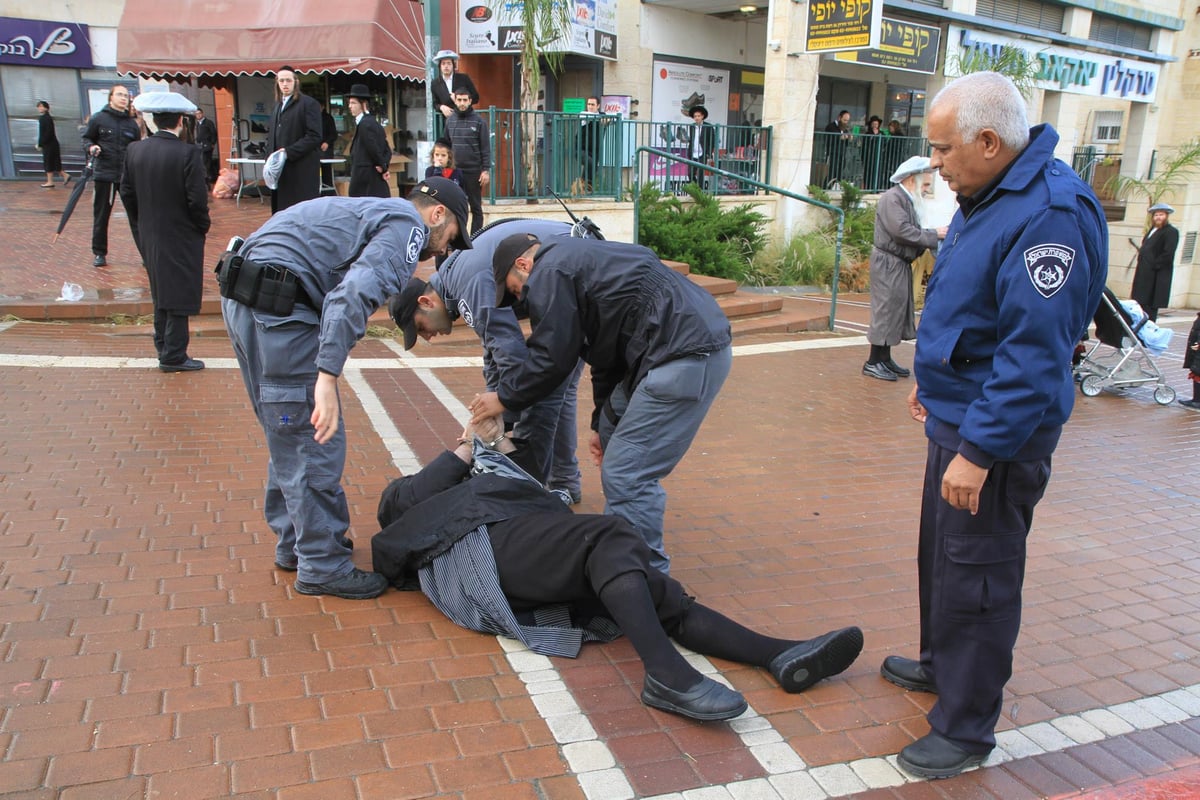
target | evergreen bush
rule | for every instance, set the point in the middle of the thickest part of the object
(712, 240)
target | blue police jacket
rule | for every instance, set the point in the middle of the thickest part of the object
(1015, 284)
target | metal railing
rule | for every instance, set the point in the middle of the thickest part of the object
(650, 154)
(865, 160)
(595, 156)
(1097, 168)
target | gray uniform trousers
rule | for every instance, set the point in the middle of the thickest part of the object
(304, 504)
(655, 428)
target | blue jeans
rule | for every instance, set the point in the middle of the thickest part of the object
(304, 504)
(654, 428)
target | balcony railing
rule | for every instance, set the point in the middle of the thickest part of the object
(1097, 168)
(866, 161)
(534, 152)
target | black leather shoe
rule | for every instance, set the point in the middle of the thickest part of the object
(285, 567)
(878, 371)
(191, 365)
(803, 664)
(1190, 403)
(99, 261)
(935, 756)
(907, 673)
(896, 369)
(708, 701)
(354, 585)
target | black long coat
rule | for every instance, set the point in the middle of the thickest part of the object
(297, 128)
(48, 141)
(1156, 264)
(166, 197)
(368, 151)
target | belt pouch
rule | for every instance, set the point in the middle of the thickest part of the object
(277, 291)
(227, 270)
(245, 286)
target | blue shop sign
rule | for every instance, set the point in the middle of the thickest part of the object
(44, 43)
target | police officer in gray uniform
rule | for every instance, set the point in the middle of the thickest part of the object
(297, 297)
(465, 288)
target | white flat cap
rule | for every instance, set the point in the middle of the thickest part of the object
(163, 103)
(913, 166)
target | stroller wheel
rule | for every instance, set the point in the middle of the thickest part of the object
(1164, 395)
(1091, 385)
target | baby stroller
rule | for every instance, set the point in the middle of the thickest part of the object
(1132, 363)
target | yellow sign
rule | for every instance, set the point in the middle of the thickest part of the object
(843, 25)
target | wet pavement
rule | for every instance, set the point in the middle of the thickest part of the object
(148, 648)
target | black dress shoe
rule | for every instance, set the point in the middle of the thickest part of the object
(802, 665)
(907, 673)
(707, 701)
(285, 567)
(878, 371)
(896, 369)
(354, 585)
(99, 261)
(935, 756)
(1190, 403)
(191, 365)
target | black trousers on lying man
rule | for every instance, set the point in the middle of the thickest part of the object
(497, 553)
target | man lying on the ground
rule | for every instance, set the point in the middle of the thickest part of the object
(497, 553)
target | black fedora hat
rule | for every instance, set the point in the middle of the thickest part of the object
(359, 91)
(692, 111)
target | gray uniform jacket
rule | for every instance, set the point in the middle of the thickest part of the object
(350, 254)
(468, 289)
(899, 238)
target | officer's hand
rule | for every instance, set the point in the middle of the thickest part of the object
(962, 483)
(914, 406)
(326, 408)
(484, 406)
(596, 449)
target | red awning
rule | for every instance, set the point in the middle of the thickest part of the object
(248, 37)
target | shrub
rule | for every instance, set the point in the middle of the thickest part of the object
(711, 239)
(806, 259)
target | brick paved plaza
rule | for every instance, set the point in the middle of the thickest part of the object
(148, 647)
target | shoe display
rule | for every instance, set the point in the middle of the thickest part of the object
(707, 701)
(878, 371)
(899, 371)
(99, 261)
(354, 585)
(935, 756)
(191, 365)
(907, 673)
(802, 665)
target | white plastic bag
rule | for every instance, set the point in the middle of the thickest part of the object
(71, 292)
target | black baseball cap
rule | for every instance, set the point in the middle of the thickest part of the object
(402, 308)
(451, 195)
(507, 252)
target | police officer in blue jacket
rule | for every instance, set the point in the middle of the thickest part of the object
(463, 288)
(1016, 280)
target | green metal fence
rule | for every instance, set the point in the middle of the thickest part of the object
(867, 161)
(535, 152)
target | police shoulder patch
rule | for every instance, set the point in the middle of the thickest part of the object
(1048, 266)
(416, 240)
(464, 311)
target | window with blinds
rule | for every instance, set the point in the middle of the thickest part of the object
(1033, 13)
(1121, 32)
(1108, 126)
(1189, 248)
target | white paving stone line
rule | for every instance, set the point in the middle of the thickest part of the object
(402, 453)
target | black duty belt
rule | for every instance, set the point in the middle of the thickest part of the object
(263, 287)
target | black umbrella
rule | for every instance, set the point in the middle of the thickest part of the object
(73, 200)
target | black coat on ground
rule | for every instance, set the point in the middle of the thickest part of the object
(166, 197)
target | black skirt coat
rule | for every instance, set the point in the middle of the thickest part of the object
(368, 151)
(1155, 266)
(48, 141)
(166, 197)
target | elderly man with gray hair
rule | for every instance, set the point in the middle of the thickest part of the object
(1015, 284)
(899, 238)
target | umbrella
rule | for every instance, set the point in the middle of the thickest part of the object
(73, 200)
